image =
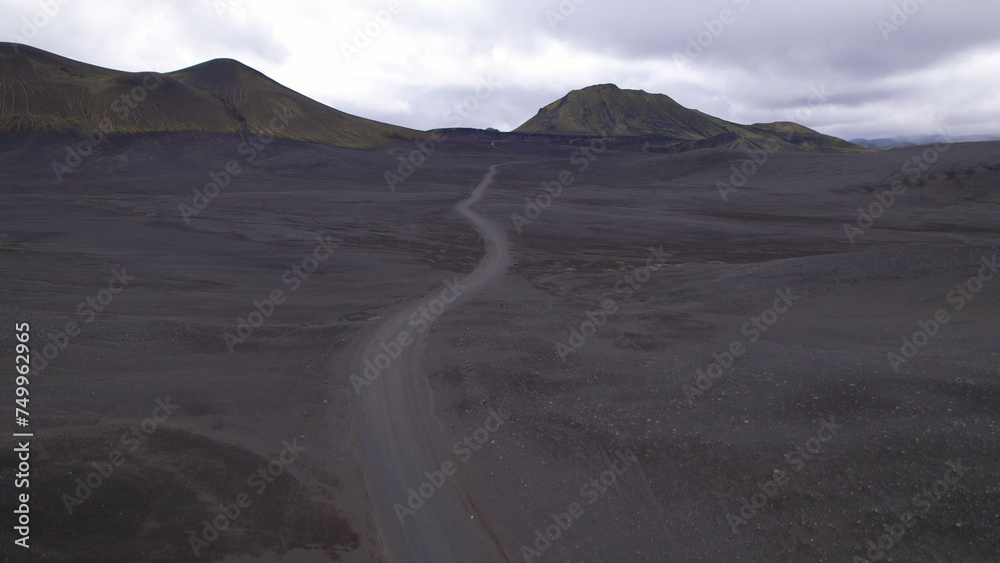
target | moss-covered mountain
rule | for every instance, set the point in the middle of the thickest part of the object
(41, 92)
(655, 122)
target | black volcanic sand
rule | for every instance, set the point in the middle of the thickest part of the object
(621, 391)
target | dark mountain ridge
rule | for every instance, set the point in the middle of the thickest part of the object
(42, 93)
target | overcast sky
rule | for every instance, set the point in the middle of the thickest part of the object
(847, 68)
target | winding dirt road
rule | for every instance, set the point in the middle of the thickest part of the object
(399, 438)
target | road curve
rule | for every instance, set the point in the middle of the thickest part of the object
(398, 435)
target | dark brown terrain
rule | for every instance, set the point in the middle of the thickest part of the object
(677, 265)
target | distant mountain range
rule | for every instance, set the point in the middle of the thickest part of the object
(915, 140)
(45, 93)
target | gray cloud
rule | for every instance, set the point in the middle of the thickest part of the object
(936, 70)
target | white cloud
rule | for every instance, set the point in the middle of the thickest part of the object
(937, 69)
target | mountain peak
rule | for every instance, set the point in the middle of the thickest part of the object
(219, 75)
(598, 87)
(657, 122)
(55, 94)
(588, 111)
(221, 65)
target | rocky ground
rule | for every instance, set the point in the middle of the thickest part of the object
(803, 440)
